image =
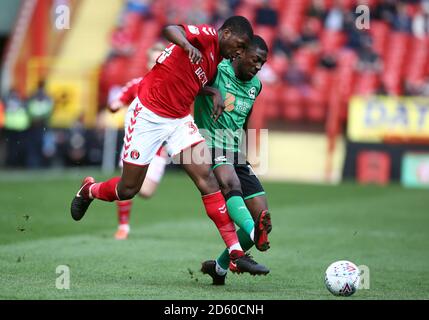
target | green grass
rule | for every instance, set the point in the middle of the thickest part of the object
(386, 229)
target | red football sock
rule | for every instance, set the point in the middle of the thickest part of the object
(105, 190)
(124, 210)
(216, 209)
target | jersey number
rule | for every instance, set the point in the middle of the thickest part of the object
(165, 54)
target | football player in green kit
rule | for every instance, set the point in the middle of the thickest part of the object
(237, 87)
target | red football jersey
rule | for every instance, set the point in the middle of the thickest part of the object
(171, 86)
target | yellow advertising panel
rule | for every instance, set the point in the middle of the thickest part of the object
(67, 95)
(380, 118)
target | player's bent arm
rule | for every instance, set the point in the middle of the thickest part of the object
(176, 34)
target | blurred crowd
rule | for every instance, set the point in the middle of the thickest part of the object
(27, 139)
(318, 52)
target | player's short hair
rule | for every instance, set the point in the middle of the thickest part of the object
(258, 43)
(238, 25)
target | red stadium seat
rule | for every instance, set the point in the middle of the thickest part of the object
(316, 106)
(132, 25)
(292, 104)
(267, 33)
(278, 63)
(415, 72)
(247, 12)
(379, 32)
(331, 41)
(366, 83)
(305, 59)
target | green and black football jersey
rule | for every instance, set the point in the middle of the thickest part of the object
(226, 133)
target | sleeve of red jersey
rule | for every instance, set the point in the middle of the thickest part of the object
(129, 92)
(202, 33)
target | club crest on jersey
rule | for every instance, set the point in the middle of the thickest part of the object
(194, 29)
(135, 154)
(252, 93)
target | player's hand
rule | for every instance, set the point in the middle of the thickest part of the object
(218, 106)
(194, 54)
(115, 106)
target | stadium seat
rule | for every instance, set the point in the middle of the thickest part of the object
(132, 25)
(316, 106)
(366, 83)
(292, 104)
(331, 41)
(267, 33)
(379, 32)
(279, 64)
(246, 11)
(415, 72)
(306, 59)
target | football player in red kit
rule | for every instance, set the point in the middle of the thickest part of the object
(161, 114)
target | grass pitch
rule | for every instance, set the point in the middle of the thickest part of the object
(386, 229)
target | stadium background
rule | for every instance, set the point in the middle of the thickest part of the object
(340, 103)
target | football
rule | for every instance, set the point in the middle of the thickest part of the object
(342, 278)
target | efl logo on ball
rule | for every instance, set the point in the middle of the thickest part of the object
(342, 278)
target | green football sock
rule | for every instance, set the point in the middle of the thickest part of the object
(240, 214)
(245, 242)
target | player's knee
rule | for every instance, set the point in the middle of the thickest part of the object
(207, 183)
(229, 184)
(127, 192)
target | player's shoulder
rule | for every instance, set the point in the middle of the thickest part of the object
(201, 29)
(225, 67)
(256, 81)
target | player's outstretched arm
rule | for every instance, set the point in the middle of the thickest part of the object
(177, 35)
(218, 102)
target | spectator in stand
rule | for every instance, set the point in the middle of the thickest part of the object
(308, 36)
(335, 17)
(286, 42)
(297, 78)
(40, 107)
(266, 15)
(317, 9)
(142, 7)
(222, 11)
(385, 10)
(420, 24)
(354, 35)
(16, 129)
(369, 60)
(402, 22)
(328, 61)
